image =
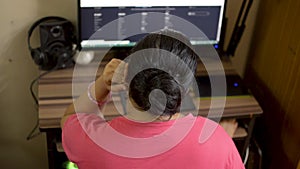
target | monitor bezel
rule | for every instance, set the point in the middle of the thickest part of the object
(219, 45)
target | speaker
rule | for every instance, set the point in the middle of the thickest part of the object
(57, 40)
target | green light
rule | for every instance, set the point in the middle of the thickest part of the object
(70, 165)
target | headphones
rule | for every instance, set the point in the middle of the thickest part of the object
(57, 50)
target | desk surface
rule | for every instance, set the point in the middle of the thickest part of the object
(55, 94)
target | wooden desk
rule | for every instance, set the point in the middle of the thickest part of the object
(55, 94)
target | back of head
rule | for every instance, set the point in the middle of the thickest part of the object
(165, 61)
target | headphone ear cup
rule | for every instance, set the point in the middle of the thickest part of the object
(56, 43)
(39, 57)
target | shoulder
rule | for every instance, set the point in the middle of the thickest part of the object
(211, 134)
(80, 126)
(81, 122)
(215, 140)
(211, 127)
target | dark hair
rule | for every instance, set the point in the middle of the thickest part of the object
(166, 61)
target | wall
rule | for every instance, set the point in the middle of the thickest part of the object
(273, 73)
(241, 54)
(18, 114)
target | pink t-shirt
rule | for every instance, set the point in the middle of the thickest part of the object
(92, 143)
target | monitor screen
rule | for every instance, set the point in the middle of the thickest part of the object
(122, 17)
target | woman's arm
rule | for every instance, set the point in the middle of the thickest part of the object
(102, 87)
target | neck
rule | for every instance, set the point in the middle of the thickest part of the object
(167, 118)
(143, 116)
(146, 117)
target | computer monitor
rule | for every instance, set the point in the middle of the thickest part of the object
(207, 15)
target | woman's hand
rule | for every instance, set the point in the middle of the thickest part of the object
(112, 79)
(113, 76)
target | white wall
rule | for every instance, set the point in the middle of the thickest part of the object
(18, 114)
(17, 69)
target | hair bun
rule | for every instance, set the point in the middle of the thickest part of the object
(145, 82)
